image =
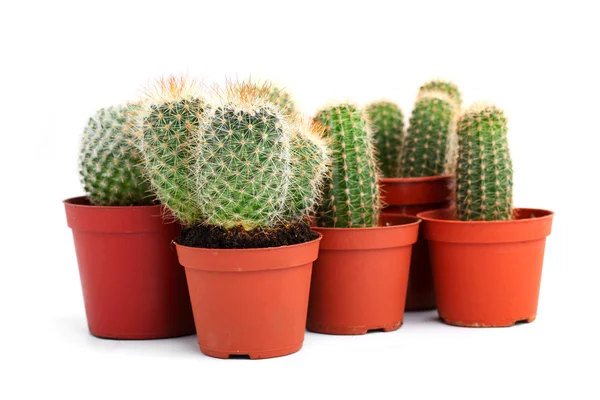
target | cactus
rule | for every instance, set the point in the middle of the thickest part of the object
(427, 140)
(280, 97)
(387, 123)
(484, 170)
(109, 160)
(245, 157)
(445, 87)
(167, 125)
(451, 90)
(351, 193)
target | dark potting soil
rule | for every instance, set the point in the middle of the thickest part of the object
(215, 237)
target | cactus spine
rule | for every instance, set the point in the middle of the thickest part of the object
(426, 143)
(387, 124)
(168, 125)
(484, 170)
(109, 160)
(244, 162)
(351, 193)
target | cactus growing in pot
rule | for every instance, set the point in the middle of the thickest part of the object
(109, 162)
(387, 123)
(484, 169)
(351, 195)
(248, 255)
(360, 278)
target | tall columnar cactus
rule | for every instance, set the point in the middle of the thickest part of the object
(245, 157)
(280, 97)
(168, 124)
(484, 170)
(452, 91)
(387, 124)
(351, 193)
(427, 140)
(109, 160)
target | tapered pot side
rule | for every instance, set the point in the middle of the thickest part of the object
(133, 287)
(410, 196)
(487, 273)
(250, 302)
(360, 278)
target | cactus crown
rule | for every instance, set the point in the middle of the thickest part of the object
(167, 125)
(427, 140)
(445, 87)
(280, 97)
(387, 124)
(244, 170)
(484, 170)
(109, 160)
(351, 193)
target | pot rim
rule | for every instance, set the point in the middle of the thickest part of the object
(440, 228)
(415, 221)
(430, 216)
(72, 202)
(254, 249)
(417, 179)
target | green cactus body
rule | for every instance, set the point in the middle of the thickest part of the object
(351, 193)
(310, 162)
(168, 126)
(452, 91)
(245, 169)
(484, 170)
(109, 160)
(387, 124)
(281, 98)
(426, 142)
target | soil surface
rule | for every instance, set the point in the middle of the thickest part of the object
(214, 237)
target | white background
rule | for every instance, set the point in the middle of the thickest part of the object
(60, 62)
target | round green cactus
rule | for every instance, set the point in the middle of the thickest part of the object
(244, 162)
(426, 143)
(310, 163)
(167, 125)
(484, 170)
(387, 123)
(351, 192)
(280, 97)
(109, 160)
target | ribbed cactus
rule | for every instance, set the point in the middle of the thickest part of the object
(280, 97)
(168, 125)
(427, 140)
(351, 193)
(109, 160)
(387, 124)
(244, 162)
(484, 170)
(451, 90)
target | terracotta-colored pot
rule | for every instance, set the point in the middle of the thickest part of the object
(250, 301)
(133, 286)
(411, 196)
(487, 273)
(360, 278)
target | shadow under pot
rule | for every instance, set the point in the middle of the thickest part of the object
(133, 287)
(251, 302)
(360, 278)
(487, 273)
(410, 196)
